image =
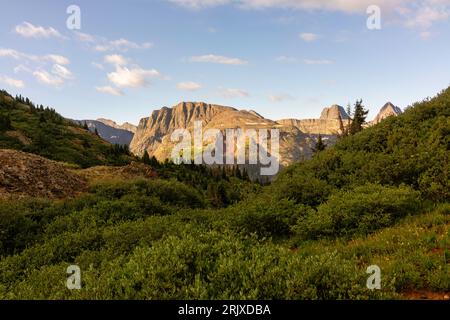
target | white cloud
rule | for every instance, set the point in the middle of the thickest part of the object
(211, 58)
(308, 37)
(29, 30)
(199, 4)
(84, 37)
(46, 78)
(21, 68)
(17, 55)
(110, 90)
(311, 61)
(132, 78)
(97, 65)
(116, 60)
(426, 16)
(286, 59)
(280, 97)
(57, 59)
(62, 72)
(12, 82)
(189, 86)
(121, 45)
(233, 93)
(413, 13)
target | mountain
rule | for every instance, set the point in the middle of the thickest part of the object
(32, 128)
(386, 111)
(125, 126)
(154, 133)
(297, 137)
(114, 135)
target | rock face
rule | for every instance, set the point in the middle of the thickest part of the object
(111, 134)
(23, 174)
(125, 126)
(388, 110)
(154, 133)
(332, 122)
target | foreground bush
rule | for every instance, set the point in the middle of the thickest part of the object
(359, 211)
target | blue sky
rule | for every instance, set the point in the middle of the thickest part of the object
(282, 58)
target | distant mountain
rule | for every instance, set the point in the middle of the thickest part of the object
(125, 126)
(109, 133)
(386, 111)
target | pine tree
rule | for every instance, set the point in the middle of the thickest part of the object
(146, 158)
(359, 118)
(320, 145)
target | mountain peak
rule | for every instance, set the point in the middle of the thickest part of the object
(388, 110)
(335, 112)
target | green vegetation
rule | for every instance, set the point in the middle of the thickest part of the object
(379, 197)
(30, 128)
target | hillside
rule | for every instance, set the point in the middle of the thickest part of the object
(30, 128)
(379, 197)
(110, 133)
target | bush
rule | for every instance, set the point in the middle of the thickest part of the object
(359, 211)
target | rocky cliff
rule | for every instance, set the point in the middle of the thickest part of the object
(388, 110)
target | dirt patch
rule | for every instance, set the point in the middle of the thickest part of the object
(28, 175)
(426, 295)
(131, 171)
(19, 136)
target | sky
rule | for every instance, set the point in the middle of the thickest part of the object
(282, 58)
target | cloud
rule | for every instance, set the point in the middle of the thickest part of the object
(286, 59)
(417, 13)
(211, 58)
(46, 78)
(12, 82)
(308, 37)
(97, 65)
(62, 72)
(121, 45)
(233, 93)
(136, 77)
(281, 97)
(84, 37)
(313, 62)
(349, 6)
(116, 60)
(426, 16)
(200, 4)
(189, 86)
(17, 55)
(29, 30)
(110, 90)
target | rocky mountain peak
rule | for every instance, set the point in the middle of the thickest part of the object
(386, 111)
(125, 126)
(335, 112)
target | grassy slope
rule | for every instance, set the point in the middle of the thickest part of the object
(46, 133)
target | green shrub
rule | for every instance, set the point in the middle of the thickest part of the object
(361, 210)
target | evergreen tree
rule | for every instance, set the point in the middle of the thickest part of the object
(358, 119)
(320, 145)
(146, 158)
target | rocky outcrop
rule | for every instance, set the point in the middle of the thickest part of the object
(333, 121)
(388, 110)
(23, 174)
(125, 126)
